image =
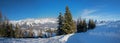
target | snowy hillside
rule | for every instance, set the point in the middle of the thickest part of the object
(108, 32)
(57, 39)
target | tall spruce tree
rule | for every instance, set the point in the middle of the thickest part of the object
(69, 25)
(66, 25)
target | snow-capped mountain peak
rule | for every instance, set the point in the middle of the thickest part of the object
(34, 21)
(39, 23)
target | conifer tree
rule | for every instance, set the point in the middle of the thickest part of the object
(66, 25)
(60, 24)
(6, 27)
(81, 25)
(17, 31)
(1, 25)
(84, 25)
(69, 25)
(10, 31)
(91, 24)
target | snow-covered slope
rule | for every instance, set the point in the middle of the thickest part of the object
(57, 39)
(108, 32)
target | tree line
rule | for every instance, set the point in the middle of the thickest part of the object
(9, 30)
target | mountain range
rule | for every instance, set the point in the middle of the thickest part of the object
(39, 23)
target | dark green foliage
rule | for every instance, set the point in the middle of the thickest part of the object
(69, 25)
(91, 24)
(84, 25)
(66, 24)
(81, 25)
(17, 31)
(10, 31)
(5, 27)
(60, 23)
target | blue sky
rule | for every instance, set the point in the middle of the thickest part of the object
(95, 9)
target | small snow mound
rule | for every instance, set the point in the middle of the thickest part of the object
(65, 38)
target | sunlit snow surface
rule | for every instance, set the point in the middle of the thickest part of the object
(56, 39)
(104, 33)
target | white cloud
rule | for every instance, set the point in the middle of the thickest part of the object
(92, 17)
(87, 12)
(96, 14)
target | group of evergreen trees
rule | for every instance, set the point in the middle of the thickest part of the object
(83, 26)
(8, 30)
(5, 27)
(14, 31)
(66, 24)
